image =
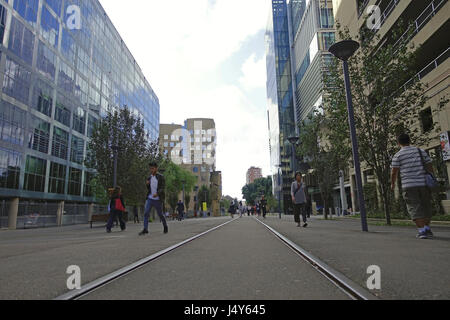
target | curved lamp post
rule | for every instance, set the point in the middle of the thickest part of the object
(344, 50)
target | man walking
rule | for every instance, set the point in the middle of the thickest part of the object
(155, 197)
(413, 164)
(299, 200)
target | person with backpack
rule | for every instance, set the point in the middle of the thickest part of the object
(299, 200)
(117, 209)
(263, 205)
(415, 168)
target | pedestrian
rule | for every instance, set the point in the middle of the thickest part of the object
(155, 197)
(299, 200)
(263, 205)
(136, 214)
(232, 210)
(413, 164)
(248, 210)
(117, 207)
(180, 209)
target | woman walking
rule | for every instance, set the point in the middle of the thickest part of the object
(117, 206)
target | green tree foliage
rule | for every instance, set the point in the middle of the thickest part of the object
(384, 106)
(260, 187)
(122, 128)
(175, 175)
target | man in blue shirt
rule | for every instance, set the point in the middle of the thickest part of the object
(155, 197)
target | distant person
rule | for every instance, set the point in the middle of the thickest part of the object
(413, 164)
(232, 210)
(117, 207)
(248, 210)
(180, 209)
(299, 199)
(155, 198)
(263, 205)
(136, 214)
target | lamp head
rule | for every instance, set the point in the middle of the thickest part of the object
(343, 50)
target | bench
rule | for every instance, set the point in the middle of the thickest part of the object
(104, 217)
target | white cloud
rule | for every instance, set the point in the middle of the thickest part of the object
(180, 46)
(254, 73)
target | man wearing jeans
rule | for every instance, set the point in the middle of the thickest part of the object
(299, 199)
(413, 163)
(155, 198)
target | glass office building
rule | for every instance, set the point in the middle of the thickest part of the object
(280, 99)
(60, 71)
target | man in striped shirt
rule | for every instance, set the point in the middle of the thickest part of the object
(413, 163)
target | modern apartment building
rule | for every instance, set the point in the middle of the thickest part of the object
(280, 98)
(193, 146)
(62, 65)
(429, 29)
(253, 174)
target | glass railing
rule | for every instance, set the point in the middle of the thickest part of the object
(362, 8)
(386, 13)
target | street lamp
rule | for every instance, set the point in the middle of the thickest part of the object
(344, 50)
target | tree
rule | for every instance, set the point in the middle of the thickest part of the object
(255, 190)
(174, 176)
(122, 128)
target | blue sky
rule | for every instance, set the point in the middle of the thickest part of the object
(206, 59)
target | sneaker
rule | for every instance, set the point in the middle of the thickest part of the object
(143, 232)
(305, 225)
(108, 231)
(429, 234)
(166, 230)
(422, 236)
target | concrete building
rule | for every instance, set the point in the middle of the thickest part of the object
(253, 174)
(430, 30)
(193, 146)
(60, 73)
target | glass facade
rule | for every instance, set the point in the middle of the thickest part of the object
(57, 82)
(280, 97)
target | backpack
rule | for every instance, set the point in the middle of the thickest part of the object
(118, 205)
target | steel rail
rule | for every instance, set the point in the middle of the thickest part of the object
(96, 284)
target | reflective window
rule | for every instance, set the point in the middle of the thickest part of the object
(42, 97)
(77, 150)
(92, 122)
(60, 143)
(75, 182)
(2, 22)
(21, 41)
(39, 134)
(12, 123)
(62, 113)
(35, 171)
(27, 9)
(55, 5)
(17, 81)
(88, 190)
(10, 162)
(49, 27)
(57, 181)
(79, 120)
(46, 61)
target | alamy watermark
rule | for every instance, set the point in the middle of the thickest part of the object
(74, 280)
(374, 281)
(195, 147)
(73, 21)
(374, 19)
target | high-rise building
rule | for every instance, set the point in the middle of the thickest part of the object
(63, 64)
(311, 35)
(429, 29)
(280, 96)
(253, 174)
(193, 146)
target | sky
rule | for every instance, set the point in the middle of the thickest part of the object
(206, 59)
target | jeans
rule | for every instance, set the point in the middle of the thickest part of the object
(148, 208)
(113, 217)
(300, 209)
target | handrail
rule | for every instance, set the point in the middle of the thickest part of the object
(387, 12)
(418, 26)
(362, 7)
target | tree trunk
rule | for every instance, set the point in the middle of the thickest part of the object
(386, 204)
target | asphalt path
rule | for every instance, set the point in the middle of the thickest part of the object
(240, 261)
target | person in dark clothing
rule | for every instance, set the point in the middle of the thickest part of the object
(263, 206)
(156, 196)
(136, 214)
(180, 209)
(117, 205)
(299, 199)
(232, 210)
